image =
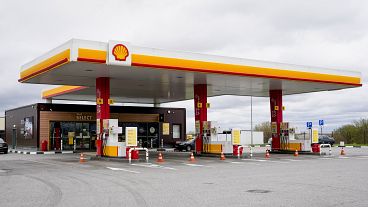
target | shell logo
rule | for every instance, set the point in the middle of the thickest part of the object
(120, 52)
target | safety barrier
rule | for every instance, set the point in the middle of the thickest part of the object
(139, 149)
(250, 151)
(323, 145)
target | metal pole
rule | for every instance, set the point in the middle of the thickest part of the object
(251, 120)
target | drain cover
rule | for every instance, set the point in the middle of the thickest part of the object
(258, 191)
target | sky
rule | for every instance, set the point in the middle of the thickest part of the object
(324, 33)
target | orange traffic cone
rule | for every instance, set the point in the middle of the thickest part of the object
(342, 152)
(267, 154)
(191, 157)
(81, 158)
(160, 158)
(296, 154)
(222, 157)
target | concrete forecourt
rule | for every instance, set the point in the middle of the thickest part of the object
(282, 180)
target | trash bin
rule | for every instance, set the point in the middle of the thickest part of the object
(44, 145)
(315, 148)
(135, 154)
(235, 150)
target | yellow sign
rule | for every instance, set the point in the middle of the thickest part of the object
(236, 136)
(165, 128)
(99, 101)
(131, 136)
(208, 105)
(71, 138)
(315, 136)
(199, 105)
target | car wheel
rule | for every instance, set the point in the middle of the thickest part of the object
(189, 148)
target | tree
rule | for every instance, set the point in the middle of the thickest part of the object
(264, 127)
(355, 133)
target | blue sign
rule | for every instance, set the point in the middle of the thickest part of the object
(321, 123)
(309, 125)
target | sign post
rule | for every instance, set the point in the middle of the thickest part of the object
(321, 123)
(309, 126)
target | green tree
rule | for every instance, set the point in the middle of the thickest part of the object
(264, 127)
(355, 133)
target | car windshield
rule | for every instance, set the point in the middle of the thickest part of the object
(1, 140)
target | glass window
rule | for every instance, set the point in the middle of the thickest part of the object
(176, 131)
(78, 130)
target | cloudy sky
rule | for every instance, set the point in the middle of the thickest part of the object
(327, 33)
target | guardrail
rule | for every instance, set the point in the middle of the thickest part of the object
(250, 149)
(327, 145)
(139, 149)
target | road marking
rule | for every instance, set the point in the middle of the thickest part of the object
(245, 163)
(194, 165)
(274, 161)
(343, 157)
(150, 165)
(121, 169)
(292, 160)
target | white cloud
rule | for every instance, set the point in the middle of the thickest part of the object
(328, 33)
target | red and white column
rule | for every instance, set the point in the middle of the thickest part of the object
(102, 108)
(276, 116)
(200, 111)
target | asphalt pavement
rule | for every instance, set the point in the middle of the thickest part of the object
(282, 180)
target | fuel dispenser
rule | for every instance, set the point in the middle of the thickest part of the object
(112, 146)
(284, 135)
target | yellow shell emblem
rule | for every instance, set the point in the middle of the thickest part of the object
(120, 52)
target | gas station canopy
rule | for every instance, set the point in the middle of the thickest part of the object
(146, 75)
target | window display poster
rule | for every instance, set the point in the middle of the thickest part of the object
(28, 127)
(165, 128)
(131, 136)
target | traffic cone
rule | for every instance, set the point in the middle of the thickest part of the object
(81, 158)
(222, 157)
(296, 154)
(191, 157)
(160, 158)
(342, 152)
(267, 154)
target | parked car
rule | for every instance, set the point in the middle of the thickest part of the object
(186, 145)
(3, 146)
(324, 139)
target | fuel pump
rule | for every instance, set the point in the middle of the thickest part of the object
(206, 135)
(284, 135)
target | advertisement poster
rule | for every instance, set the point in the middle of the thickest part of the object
(131, 136)
(28, 128)
(236, 136)
(165, 128)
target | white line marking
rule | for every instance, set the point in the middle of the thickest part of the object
(343, 157)
(150, 165)
(121, 169)
(194, 165)
(292, 160)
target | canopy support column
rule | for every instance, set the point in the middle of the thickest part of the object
(276, 117)
(102, 109)
(200, 110)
